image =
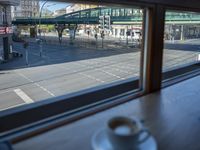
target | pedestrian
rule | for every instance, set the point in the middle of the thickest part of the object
(60, 36)
(25, 45)
(96, 36)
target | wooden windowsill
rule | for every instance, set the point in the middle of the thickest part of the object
(172, 116)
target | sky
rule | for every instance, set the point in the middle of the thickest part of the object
(52, 6)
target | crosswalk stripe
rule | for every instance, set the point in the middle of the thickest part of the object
(23, 96)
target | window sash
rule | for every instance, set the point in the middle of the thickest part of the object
(19, 117)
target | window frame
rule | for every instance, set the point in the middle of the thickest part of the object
(68, 105)
(150, 80)
(185, 71)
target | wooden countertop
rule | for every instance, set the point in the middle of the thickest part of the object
(172, 115)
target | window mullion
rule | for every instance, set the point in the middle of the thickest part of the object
(153, 48)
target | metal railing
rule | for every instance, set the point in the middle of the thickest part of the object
(91, 16)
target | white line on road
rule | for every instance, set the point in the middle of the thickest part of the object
(101, 69)
(24, 76)
(120, 70)
(13, 106)
(198, 57)
(111, 74)
(44, 89)
(3, 92)
(23, 96)
(38, 85)
(91, 77)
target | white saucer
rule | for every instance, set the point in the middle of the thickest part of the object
(100, 141)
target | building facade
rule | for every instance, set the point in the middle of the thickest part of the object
(6, 29)
(77, 7)
(26, 9)
(59, 12)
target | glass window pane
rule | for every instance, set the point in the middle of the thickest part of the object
(181, 40)
(76, 54)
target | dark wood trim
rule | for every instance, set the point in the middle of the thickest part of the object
(154, 48)
(182, 9)
(187, 4)
(142, 54)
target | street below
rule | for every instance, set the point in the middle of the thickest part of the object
(65, 68)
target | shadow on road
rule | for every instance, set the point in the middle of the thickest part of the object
(55, 54)
(182, 46)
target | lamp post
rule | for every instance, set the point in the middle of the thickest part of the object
(40, 40)
(45, 13)
(41, 16)
(47, 7)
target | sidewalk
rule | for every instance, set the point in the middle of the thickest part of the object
(187, 41)
(20, 62)
(88, 42)
(53, 54)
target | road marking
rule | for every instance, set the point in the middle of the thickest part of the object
(91, 77)
(198, 59)
(43, 88)
(120, 70)
(3, 92)
(100, 69)
(111, 74)
(24, 76)
(23, 96)
(13, 106)
(38, 85)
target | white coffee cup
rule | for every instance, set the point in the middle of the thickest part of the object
(124, 133)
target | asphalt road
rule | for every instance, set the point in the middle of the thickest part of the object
(64, 69)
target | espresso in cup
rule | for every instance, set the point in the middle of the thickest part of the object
(123, 130)
(124, 133)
